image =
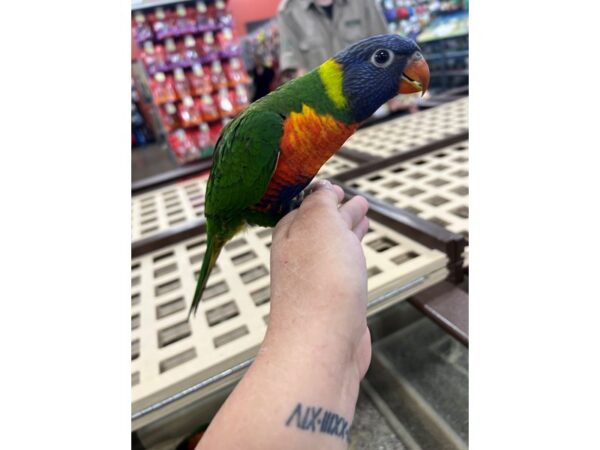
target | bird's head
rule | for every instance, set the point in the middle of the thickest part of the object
(378, 68)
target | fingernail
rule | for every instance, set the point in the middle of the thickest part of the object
(323, 184)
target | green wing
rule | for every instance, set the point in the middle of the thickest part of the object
(244, 161)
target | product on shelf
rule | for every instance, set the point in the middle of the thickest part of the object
(225, 39)
(209, 110)
(172, 52)
(199, 81)
(162, 88)
(142, 30)
(183, 146)
(190, 53)
(194, 72)
(217, 76)
(203, 137)
(222, 15)
(184, 23)
(225, 104)
(241, 100)
(160, 25)
(169, 117)
(204, 22)
(208, 46)
(235, 72)
(189, 112)
(182, 87)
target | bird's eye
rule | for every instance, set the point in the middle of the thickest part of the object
(382, 57)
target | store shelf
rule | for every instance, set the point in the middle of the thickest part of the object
(182, 202)
(170, 354)
(433, 186)
(412, 131)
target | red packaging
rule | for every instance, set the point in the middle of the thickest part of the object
(208, 47)
(224, 103)
(183, 146)
(225, 38)
(148, 57)
(241, 100)
(199, 81)
(190, 54)
(169, 116)
(203, 136)
(163, 26)
(143, 31)
(162, 88)
(184, 23)
(204, 22)
(189, 113)
(222, 15)
(210, 111)
(217, 76)
(182, 87)
(172, 52)
(235, 72)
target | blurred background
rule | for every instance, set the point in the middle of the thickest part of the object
(195, 65)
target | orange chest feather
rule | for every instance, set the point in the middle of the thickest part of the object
(309, 140)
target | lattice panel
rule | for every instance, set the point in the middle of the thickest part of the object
(160, 209)
(434, 187)
(415, 130)
(168, 206)
(168, 352)
(335, 165)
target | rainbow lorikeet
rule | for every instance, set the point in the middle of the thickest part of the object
(270, 152)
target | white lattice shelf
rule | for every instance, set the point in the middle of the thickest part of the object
(181, 202)
(170, 354)
(434, 187)
(412, 131)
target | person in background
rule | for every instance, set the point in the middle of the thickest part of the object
(262, 77)
(313, 30)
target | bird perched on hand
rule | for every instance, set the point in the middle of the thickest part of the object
(271, 151)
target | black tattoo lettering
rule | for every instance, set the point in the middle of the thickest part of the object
(309, 418)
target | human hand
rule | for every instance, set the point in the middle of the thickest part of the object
(319, 283)
(301, 390)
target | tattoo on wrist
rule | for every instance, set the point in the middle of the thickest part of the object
(318, 420)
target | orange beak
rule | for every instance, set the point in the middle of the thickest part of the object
(415, 77)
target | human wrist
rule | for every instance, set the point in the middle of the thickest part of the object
(313, 355)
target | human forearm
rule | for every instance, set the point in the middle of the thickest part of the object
(300, 394)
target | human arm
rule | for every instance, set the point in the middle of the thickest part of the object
(317, 346)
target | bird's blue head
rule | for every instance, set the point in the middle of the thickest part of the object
(374, 70)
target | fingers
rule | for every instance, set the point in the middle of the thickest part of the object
(323, 201)
(361, 229)
(324, 194)
(354, 211)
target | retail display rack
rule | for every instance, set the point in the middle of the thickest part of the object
(189, 63)
(415, 251)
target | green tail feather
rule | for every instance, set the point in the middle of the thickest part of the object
(214, 244)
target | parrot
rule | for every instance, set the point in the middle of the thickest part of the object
(271, 151)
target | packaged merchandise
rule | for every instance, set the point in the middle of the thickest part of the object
(182, 86)
(199, 81)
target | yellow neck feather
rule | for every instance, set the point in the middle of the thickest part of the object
(331, 74)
